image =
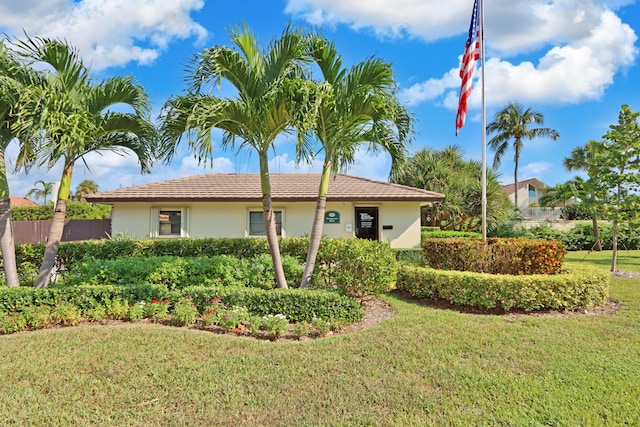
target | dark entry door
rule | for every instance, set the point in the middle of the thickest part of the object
(367, 223)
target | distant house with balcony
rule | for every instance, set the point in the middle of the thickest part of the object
(529, 193)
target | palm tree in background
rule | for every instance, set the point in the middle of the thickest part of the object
(355, 106)
(558, 194)
(72, 115)
(41, 190)
(514, 123)
(85, 187)
(263, 79)
(580, 160)
(446, 171)
(13, 78)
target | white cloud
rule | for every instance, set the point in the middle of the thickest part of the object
(571, 73)
(535, 170)
(107, 32)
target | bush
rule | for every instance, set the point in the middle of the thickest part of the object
(75, 210)
(356, 267)
(413, 256)
(66, 314)
(568, 290)
(495, 256)
(12, 322)
(184, 312)
(447, 234)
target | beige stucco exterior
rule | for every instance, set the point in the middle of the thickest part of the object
(398, 222)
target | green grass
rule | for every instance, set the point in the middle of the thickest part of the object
(627, 260)
(426, 366)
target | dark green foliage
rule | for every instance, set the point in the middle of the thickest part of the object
(413, 256)
(581, 237)
(569, 290)
(75, 210)
(296, 304)
(357, 267)
(445, 234)
(179, 272)
(496, 256)
(578, 211)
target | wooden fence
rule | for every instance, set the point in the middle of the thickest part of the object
(75, 229)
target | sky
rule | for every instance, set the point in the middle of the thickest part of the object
(575, 61)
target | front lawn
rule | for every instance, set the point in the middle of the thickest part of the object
(426, 366)
(627, 260)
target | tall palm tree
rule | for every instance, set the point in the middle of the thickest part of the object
(514, 123)
(355, 106)
(580, 160)
(14, 77)
(253, 119)
(41, 193)
(73, 117)
(85, 187)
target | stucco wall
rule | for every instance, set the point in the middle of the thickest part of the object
(231, 219)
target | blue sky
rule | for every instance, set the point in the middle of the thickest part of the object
(576, 61)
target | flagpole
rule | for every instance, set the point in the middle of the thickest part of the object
(484, 128)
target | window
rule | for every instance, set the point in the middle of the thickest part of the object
(256, 223)
(169, 222)
(533, 196)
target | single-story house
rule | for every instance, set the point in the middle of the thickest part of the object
(230, 205)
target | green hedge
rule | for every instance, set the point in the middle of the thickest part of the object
(496, 256)
(179, 272)
(569, 290)
(297, 304)
(75, 210)
(447, 234)
(414, 256)
(356, 266)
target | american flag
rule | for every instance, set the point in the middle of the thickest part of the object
(471, 55)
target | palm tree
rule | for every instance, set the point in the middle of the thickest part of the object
(72, 115)
(580, 160)
(558, 194)
(512, 122)
(85, 187)
(253, 119)
(355, 106)
(13, 77)
(447, 172)
(41, 193)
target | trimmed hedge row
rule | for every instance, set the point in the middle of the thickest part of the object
(568, 290)
(495, 256)
(297, 304)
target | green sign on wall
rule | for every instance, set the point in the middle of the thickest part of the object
(332, 217)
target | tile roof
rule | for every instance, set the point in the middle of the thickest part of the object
(16, 201)
(246, 187)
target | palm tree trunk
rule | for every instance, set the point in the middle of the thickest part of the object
(316, 230)
(56, 230)
(7, 244)
(270, 223)
(515, 180)
(53, 243)
(6, 229)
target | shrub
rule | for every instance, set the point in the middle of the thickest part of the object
(95, 314)
(568, 290)
(447, 234)
(66, 314)
(275, 325)
(356, 267)
(184, 312)
(496, 256)
(136, 311)
(37, 316)
(156, 310)
(11, 322)
(413, 256)
(118, 309)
